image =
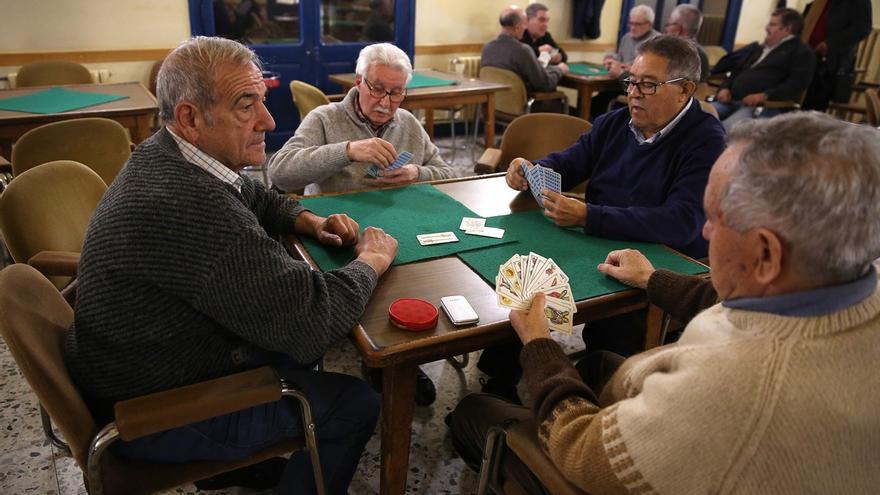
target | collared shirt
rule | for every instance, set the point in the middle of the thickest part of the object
(768, 49)
(814, 302)
(377, 129)
(206, 162)
(666, 130)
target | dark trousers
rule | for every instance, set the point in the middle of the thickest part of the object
(477, 413)
(344, 408)
(622, 334)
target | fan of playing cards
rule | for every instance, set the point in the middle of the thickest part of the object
(541, 178)
(521, 277)
(402, 159)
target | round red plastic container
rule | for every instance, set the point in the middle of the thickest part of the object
(415, 315)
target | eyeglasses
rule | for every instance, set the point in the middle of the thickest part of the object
(647, 88)
(638, 23)
(395, 96)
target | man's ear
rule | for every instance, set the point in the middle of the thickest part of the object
(188, 121)
(688, 89)
(768, 266)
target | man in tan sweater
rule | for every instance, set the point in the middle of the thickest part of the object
(772, 390)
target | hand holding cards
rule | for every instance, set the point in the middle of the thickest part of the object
(521, 277)
(402, 159)
(540, 178)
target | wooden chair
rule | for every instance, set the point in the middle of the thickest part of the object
(100, 144)
(867, 57)
(52, 72)
(532, 136)
(520, 439)
(34, 320)
(872, 107)
(44, 213)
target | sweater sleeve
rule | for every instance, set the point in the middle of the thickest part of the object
(307, 157)
(259, 293)
(569, 419)
(433, 167)
(537, 78)
(276, 212)
(682, 296)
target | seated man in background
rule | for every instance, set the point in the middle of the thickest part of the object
(647, 167)
(507, 52)
(336, 144)
(782, 361)
(780, 69)
(537, 36)
(685, 22)
(180, 282)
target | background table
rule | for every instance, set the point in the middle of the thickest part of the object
(398, 353)
(465, 92)
(585, 85)
(134, 112)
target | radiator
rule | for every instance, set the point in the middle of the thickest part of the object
(471, 65)
(98, 76)
(710, 33)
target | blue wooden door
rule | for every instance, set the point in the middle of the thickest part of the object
(305, 39)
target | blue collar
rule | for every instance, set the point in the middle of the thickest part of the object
(814, 302)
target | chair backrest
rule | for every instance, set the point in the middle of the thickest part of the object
(48, 208)
(535, 135)
(867, 58)
(51, 72)
(872, 106)
(306, 97)
(511, 101)
(34, 319)
(100, 144)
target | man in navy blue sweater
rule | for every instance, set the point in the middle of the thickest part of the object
(647, 166)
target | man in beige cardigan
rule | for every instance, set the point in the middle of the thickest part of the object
(772, 390)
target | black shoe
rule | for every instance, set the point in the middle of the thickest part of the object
(426, 392)
(260, 476)
(504, 390)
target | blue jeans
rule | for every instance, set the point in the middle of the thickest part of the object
(344, 408)
(733, 112)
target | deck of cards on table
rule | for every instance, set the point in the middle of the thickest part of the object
(521, 277)
(540, 178)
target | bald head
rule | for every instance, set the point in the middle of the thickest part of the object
(513, 21)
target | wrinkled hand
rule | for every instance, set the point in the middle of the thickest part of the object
(724, 96)
(557, 59)
(373, 150)
(377, 249)
(545, 48)
(563, 211)
(531, 324)
(629, 266)
(337, 230)
(754, 99)
(563, 66)
(405, 174)
(515, 178)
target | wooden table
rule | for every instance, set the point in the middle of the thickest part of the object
(135, 112)
(398, 352)
(465, 92)
(585, 85)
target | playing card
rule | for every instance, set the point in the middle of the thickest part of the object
(559, 316)
(551, 179)
(402, 159)
(373, 171)
(438, 238)
(547, 275)
(560, 294)
(521, 277)
(470, 223)
(487, 232)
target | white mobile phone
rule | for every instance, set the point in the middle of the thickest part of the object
(459, 310)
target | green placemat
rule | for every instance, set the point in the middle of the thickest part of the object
(56, 100)
(587, 70)
(403, 213)
(423, 81)
(577, 254)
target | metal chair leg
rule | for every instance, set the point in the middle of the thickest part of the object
(459, 365)
(309, 432)
(59, 444)
(491, 459)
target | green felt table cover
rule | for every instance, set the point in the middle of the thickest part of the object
(587, 70)
(56, 100)
(577, 254)
(403, 213)
(423, 81)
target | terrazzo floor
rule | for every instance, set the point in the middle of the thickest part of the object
(29, 464)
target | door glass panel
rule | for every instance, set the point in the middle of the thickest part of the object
(347, 21)
(257, 22)
(713, 22)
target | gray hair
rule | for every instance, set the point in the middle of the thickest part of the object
(681, 55)
(533, 9)
(689, 18)
(188, 72)
(814, 181)
(383, 54)
(643, 11)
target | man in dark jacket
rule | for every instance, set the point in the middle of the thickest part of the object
(537, 36)
(780, 69)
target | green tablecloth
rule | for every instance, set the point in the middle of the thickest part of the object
(587, 70)
(577, 254)
(422, 81)
(403, 213)
(56, 100)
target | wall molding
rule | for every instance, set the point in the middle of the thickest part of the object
(85, 57)
(569, 46)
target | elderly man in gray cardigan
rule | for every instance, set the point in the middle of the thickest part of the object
(336, 144)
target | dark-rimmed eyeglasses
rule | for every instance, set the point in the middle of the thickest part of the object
(647, 88)
(375, 92)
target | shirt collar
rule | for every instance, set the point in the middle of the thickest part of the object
(814, 302)
(206, 162)
(783, 40)
(377, 129)
(666, 130)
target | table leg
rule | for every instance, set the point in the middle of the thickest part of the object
(490, 121)
(142, 129)
(653, 326)
(398, 405)
(429, 122)
(585, 98)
